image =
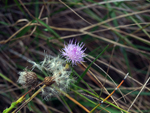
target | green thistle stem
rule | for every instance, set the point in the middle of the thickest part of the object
(13, 105)
(29, 99)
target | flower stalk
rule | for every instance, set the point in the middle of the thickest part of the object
(21, 99)
(29, 99)
(14, 104)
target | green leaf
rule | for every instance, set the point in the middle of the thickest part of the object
(83, 74)
(50, 29)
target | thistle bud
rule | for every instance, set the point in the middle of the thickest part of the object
(48, 81)
(27, 78)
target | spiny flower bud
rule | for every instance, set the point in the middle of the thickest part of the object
(27, 78)
(48, 81)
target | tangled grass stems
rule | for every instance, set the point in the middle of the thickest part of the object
(73, 100)
(20, 100)
(37, 92)
(109, 103)
(110, 94)
(29, 99)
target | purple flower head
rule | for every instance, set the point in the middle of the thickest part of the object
(73, 52)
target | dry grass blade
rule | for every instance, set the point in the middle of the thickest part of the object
(100, 83)
(5, 41)
(139, 93)
(74, 12)
(118, 17)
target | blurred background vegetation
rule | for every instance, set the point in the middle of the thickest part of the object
(30, 27)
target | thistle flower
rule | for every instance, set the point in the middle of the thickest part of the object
(27, 78)
(49, 64)
(73, 52)
(59, 77)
